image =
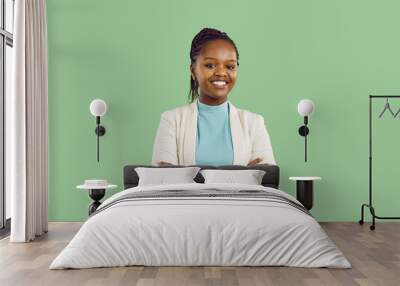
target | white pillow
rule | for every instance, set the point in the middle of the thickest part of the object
(164, 176)
(249, 177)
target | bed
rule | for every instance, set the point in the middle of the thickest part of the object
(201, 224)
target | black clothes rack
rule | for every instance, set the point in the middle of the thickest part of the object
(369, 205)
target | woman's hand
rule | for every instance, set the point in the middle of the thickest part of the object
(254, 162)
(162, 163)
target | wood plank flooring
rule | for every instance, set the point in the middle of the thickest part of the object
(375, 257)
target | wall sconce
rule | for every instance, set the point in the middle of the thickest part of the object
(305, 108)
(98, 108)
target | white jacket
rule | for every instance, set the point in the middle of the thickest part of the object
(175, 141)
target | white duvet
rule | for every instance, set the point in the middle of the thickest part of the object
(200, 231)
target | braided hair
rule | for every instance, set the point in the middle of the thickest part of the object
(198, 42)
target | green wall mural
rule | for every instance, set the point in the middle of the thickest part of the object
(135, 56)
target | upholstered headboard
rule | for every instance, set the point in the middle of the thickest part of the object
(270, 179)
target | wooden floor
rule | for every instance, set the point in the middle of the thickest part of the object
(375, 257)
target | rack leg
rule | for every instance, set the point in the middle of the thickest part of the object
(374, 216)
(372, 210)
(361, 221)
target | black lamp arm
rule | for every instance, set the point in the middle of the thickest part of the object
(100, 131)
(303, 131)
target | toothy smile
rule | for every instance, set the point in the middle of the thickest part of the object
(219, 83)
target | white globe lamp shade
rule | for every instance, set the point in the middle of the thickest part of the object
(305, 107)
(98, 107)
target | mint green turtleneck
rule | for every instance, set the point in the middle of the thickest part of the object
(213, 141)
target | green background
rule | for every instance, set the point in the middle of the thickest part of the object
(135, 56)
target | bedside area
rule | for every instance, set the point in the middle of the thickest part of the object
(97, 190)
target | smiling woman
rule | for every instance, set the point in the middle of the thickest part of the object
(211, 130)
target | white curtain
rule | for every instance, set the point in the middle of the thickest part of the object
(27, 123)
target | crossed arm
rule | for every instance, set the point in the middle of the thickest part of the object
(251, 163)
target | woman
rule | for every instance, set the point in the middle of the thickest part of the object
(211, 130)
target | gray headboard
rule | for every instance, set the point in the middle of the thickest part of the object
(270, 179)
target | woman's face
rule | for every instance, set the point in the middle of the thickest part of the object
(216, 70)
